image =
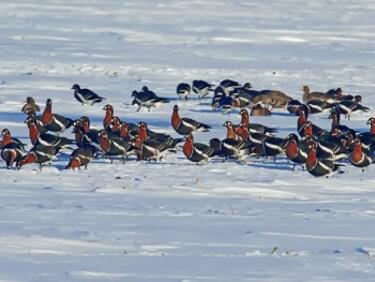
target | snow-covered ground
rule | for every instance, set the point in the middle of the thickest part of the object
(175, 221)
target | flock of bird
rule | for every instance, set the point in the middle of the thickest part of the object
(321, 152)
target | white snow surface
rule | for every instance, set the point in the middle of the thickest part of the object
(176, 221)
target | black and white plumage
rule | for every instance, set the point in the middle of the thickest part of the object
(303, 124)
(349, 107)
(232, 148)
(183, 90)
(336, 127)
(114, 146)
(51, 140)
(147, 98)
(46, 139)
(145, 133)
(296, 150)
(82, 139)
(333, 91)
(255, 127)
(86, 96)
(230, 85)
(218, 94)
(332, 147)
(202, 88)
(293, 106)
(360, 157)
(81, 156)
(7, 138)
(273, 146)
(59, 124)
(368, 138)
(197, 152)
(185, 126)
(39, 154)
(90, 133)
(32, 114)
(319, 106)
(155, 149)
(227, 103)
(319, 167)
(12, 153)
(54, 122)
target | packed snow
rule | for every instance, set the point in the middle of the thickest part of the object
(174, 220)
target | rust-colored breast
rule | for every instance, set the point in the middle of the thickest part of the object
(292, 149)
(175, 120)
(47, 116)
(34, 134)
(188, 148)
(107, 119)
(311, 159)
(104, 144)
(357, 154)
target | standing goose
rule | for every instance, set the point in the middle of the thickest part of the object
(266, 145)
(38, 119)
(81, 156)
(80, 137)
(359, 156)
(12, 153)
(230, 84)
(319, 106)
(202, 88)
(255, 127)
(319, 167)
(154, 149)
(368, 138)
(119, 128)
(185, 126)
(114, 146)
(183, 90)
(86, 96)
(333, 146)
(108, 116)
(296, 150)
(39, 154)
(54, 122)
(46, 139)
(302, 120)
(145, 134)
(336, 125)
(30, 104)
(232, 147)
(349, 107)
(197, 152)
(8, 139)
(12, 148)
(147, 98)
(91, 133)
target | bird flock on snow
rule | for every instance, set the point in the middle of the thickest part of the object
(319, 151)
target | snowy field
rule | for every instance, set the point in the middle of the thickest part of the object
(175, 221)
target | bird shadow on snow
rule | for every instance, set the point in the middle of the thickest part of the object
(272, 165)
(283, 114)
(12, 116)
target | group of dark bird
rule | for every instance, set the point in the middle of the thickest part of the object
(319, 151)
